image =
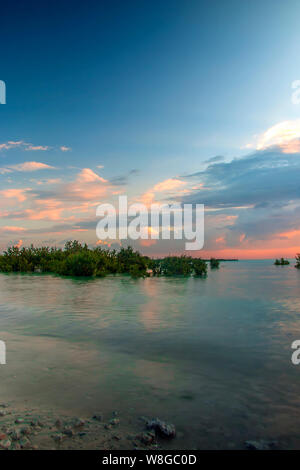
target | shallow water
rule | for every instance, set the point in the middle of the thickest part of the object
(211, 355)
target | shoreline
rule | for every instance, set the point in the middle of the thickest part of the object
(36, 429)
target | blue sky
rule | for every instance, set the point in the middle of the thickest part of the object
(149, 90)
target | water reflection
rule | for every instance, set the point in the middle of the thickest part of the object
(213, 352)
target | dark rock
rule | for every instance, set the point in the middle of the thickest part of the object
(98, 416)
(147, 437)
(78, 422)
(68, 431)
(58, 437)
(261, 445)
(162, 428)
(114, 421)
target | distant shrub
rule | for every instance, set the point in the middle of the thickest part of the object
(214, 263)
(178, 266)
(281, 262)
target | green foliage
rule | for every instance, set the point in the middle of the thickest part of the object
(79, 260)
(74, 260)
(179, 266)
(281, 262)
(297, 265)
(214, 263)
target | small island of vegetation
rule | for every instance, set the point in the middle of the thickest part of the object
(281, 262)
(76, 259)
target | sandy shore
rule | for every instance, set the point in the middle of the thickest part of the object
(33, 429)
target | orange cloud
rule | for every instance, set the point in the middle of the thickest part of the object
(12, 229)
(19, 194)
(166, 186)
(285, 134)
(169, 185)
(19, 244)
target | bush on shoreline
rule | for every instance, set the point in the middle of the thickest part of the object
(297, 265)
(79, 260)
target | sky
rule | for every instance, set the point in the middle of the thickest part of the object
(168, 101)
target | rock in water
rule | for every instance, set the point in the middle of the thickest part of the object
(98, 416)
(78, 422)
(114, 421)
(68, 431)
(261, 445)
(162, 428)
(147, 437)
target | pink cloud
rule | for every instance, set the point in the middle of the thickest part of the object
(12, 229)
(19, 244)
(26, 167)
(18, 194)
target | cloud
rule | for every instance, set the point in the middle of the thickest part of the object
(12, 229)
(89, 176)
(11, 144)
(163, 189)
(37, 147)
(62, 203)
(25, 167)
(265, 184)
(215, 159)
(19, 194)
(19, 244)
(169, 185)
(27, 146)
(285, 135)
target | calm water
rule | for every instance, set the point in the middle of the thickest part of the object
(210, 355)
